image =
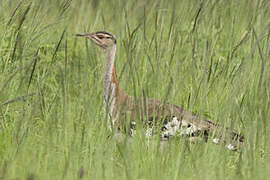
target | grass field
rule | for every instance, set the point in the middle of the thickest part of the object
(210, 57)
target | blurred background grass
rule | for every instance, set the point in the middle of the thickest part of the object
(211, 57)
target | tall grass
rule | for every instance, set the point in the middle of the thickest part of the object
(211, 57)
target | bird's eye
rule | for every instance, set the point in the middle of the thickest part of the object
(100, 37)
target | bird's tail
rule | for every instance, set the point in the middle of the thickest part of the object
(219, 134)
(225, 136)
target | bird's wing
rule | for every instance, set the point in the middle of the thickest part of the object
(174, 121)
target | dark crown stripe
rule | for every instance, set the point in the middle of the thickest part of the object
(103, 32)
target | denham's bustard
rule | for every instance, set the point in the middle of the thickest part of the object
(167, 119)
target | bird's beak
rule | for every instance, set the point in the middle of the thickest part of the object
(84, 35)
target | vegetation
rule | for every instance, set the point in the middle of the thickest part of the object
(211, 57)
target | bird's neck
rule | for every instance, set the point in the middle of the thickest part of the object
(111, 87)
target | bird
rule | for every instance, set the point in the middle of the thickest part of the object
(124, 112)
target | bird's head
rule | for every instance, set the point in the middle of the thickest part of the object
(100, 38)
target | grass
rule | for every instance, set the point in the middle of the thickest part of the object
(211, 57)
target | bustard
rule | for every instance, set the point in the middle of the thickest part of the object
(167, 119)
